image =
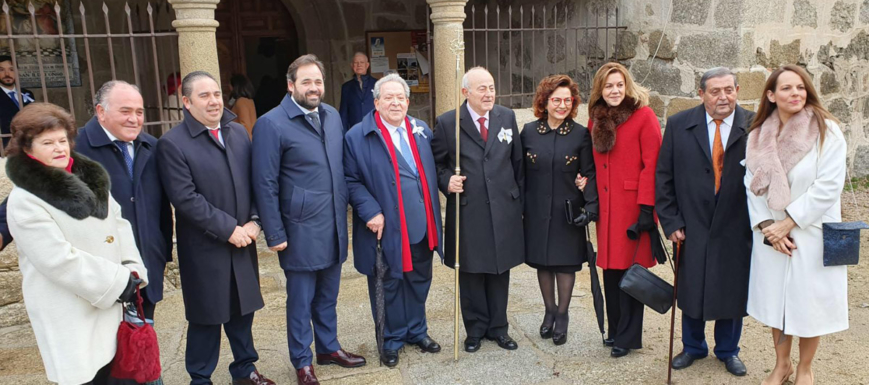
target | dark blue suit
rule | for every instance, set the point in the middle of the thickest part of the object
(356, 102)
(8, 110)
(370, 177)
(298, 182)
(4, 228)
(142, 199)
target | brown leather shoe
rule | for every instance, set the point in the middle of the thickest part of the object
(254, 379)
(306, 376)
(341, 358)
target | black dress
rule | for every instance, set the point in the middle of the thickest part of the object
(553, 157)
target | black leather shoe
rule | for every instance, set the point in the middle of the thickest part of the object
(619, 352)
(428, 345)
(559, 338)
(389, 358)
(472, 344)
(735, 366)
(684, 360)
(505, 342)
(546, 331)
(609, 342)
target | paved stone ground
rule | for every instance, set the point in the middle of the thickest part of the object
(583, 360)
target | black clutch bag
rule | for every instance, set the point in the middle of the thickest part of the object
(646, 287)
(842, 243)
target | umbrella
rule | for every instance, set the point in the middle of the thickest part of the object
(379, 299)
(596, 294)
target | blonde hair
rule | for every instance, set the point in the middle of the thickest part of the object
(633, 90)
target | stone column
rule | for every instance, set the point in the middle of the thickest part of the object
(447, 17)
(197, 45)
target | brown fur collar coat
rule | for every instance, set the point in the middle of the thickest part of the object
(605, 121)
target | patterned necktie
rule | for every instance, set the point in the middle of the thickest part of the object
(128, 159)
(14, 99)
(717, 155)
(405, 149)
(484, 132)
(315, 121)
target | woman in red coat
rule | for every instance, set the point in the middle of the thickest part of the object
(626, 137)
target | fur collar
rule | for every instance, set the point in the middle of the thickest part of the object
(605, 121)
(83, 193)
(771, 154)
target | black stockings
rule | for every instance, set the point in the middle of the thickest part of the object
(556, 314)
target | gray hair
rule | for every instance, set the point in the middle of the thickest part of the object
(716, 72)
(359, 53)
(390, 78)
(101, 97)
(466, 84)
(187, 82)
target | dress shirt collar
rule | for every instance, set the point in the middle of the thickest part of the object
(728, 120)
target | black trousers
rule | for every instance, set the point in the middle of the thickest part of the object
(624, 313)
(484, 303)
(203, 344)
(405, 300)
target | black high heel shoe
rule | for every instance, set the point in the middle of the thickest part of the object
(560, 338)
(546, 331)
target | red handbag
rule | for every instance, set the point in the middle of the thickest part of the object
(138, 355)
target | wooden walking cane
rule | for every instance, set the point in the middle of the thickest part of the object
(673, 311)
(458, 48)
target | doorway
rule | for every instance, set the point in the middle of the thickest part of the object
(256, 38)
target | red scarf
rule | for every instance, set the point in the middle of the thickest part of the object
(406, 262)
(68, 167)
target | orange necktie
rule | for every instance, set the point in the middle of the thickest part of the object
(717, 155)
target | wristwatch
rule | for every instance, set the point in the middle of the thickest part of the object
(255, 219)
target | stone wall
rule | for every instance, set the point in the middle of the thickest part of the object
(668, 44)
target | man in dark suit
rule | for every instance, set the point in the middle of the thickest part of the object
(356, 97)
(204, 165)
(298, 182)
(114, 139)
(700, 200)
(392, 180)
(14, 99)
(492, 237)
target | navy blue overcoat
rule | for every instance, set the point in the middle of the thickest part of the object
(142, 199)
(356, 102)
(371, 182)
(298, 182)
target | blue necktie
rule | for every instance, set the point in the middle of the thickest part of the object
(14, 99)
(405, 149)
(127, 158)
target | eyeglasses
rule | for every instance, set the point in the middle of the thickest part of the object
(557, 101)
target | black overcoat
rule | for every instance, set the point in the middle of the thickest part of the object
(209, 185)
(491, 238)
(142, 199)
(713, 275)
(552, 160)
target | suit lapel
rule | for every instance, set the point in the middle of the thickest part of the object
(467, 124)
(494, 128)
(738, 129)
(143, 153)
(701, 132)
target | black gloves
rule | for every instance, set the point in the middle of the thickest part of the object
(129, 293)
(584, 218)
(645, 222)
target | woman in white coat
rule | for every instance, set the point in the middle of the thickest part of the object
(76, 253)
(795, 171)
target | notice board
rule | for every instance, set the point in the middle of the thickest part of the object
(406, 53)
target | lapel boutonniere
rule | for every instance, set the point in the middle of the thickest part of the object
(417, 130)
(505, 135)
(26, 98)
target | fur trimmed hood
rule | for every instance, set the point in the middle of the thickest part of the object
(83, 193)
(605, 121)
(771, 154)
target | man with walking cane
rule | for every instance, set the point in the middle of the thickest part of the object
(701, 202)
(391, 177)
(491, 239)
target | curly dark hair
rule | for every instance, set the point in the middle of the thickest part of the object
(35, 119)
(545, 89)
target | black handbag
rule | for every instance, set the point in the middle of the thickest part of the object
(646, 287)
(842, 243)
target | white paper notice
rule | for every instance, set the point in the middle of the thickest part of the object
(379, 64)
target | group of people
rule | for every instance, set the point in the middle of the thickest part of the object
(91, 214)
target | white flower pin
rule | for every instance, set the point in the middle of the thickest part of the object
(27, 98)
(417, 130)
(505, 135)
